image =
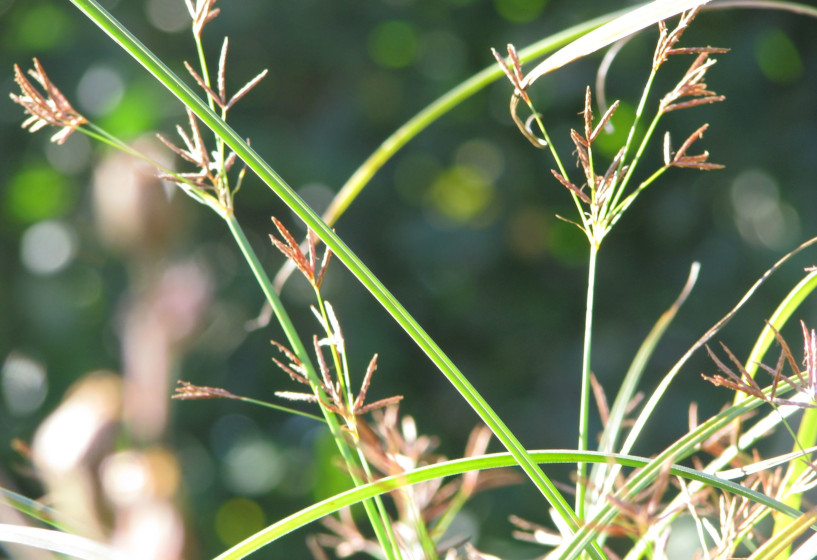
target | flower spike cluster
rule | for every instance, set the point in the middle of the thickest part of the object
(803, 382)
(51, 109)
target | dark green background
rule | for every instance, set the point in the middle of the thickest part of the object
(503, 293)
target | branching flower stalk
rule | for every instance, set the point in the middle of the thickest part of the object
(334, 396)
(601, 199)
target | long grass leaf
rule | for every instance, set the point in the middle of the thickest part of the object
(615, 30)
(459, 466)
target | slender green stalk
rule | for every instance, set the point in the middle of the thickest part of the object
(603, 476)
(584, 401)
(163, 74)
(375, 511)
(280, 408)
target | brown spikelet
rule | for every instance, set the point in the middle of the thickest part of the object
(51, 109)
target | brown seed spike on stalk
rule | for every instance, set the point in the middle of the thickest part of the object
(694, 103)
(295, 369)
(200, 81)
(680, 159)
(514, 73)
(292, 251)
(367, 380)
(573, 188)
(604, 120)
(246, 89)
(735, 382)
(188, 391)
(588, 116)
(53, 109)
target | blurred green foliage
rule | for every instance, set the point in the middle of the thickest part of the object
(460, 225)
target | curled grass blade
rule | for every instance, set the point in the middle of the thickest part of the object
(419, 122)
(459, 466)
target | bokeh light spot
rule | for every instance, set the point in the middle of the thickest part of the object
(519, 11)
(461, 194)
(71, 157)
(167, 16)
(778, 57)
(528, 232)
(198, 470)
(441, 55)
(37, 193)
(28, 34)
(610, 141)
(413, 174)
(253, 466)
(138, 110)
(393, 44)
(483, 155)
(24, 384)
(47, 247)
(760, 216)
(100, 90)
(237, 519)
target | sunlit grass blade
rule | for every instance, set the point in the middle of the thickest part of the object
(419, 122)
(459, 466)
(780, 542)
(652, 402)
(807, 432)
(57, 541)
(793, 7)
(32, 508)
(678, 451)
(621, 27)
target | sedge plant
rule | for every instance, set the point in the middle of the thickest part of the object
(386, 454)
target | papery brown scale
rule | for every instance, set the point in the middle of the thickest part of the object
(288, 353)
(382, 403)
(573, 188)
(698, 50)
(588, 116)
(604, 120)
(292, 250)
(200, 81)
(246, 89)
(690, 140)
(367, 379)
(694, 103)
(292, 373)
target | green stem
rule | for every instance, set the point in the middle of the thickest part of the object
(280, 408)
(375, 511)
(584, 400)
